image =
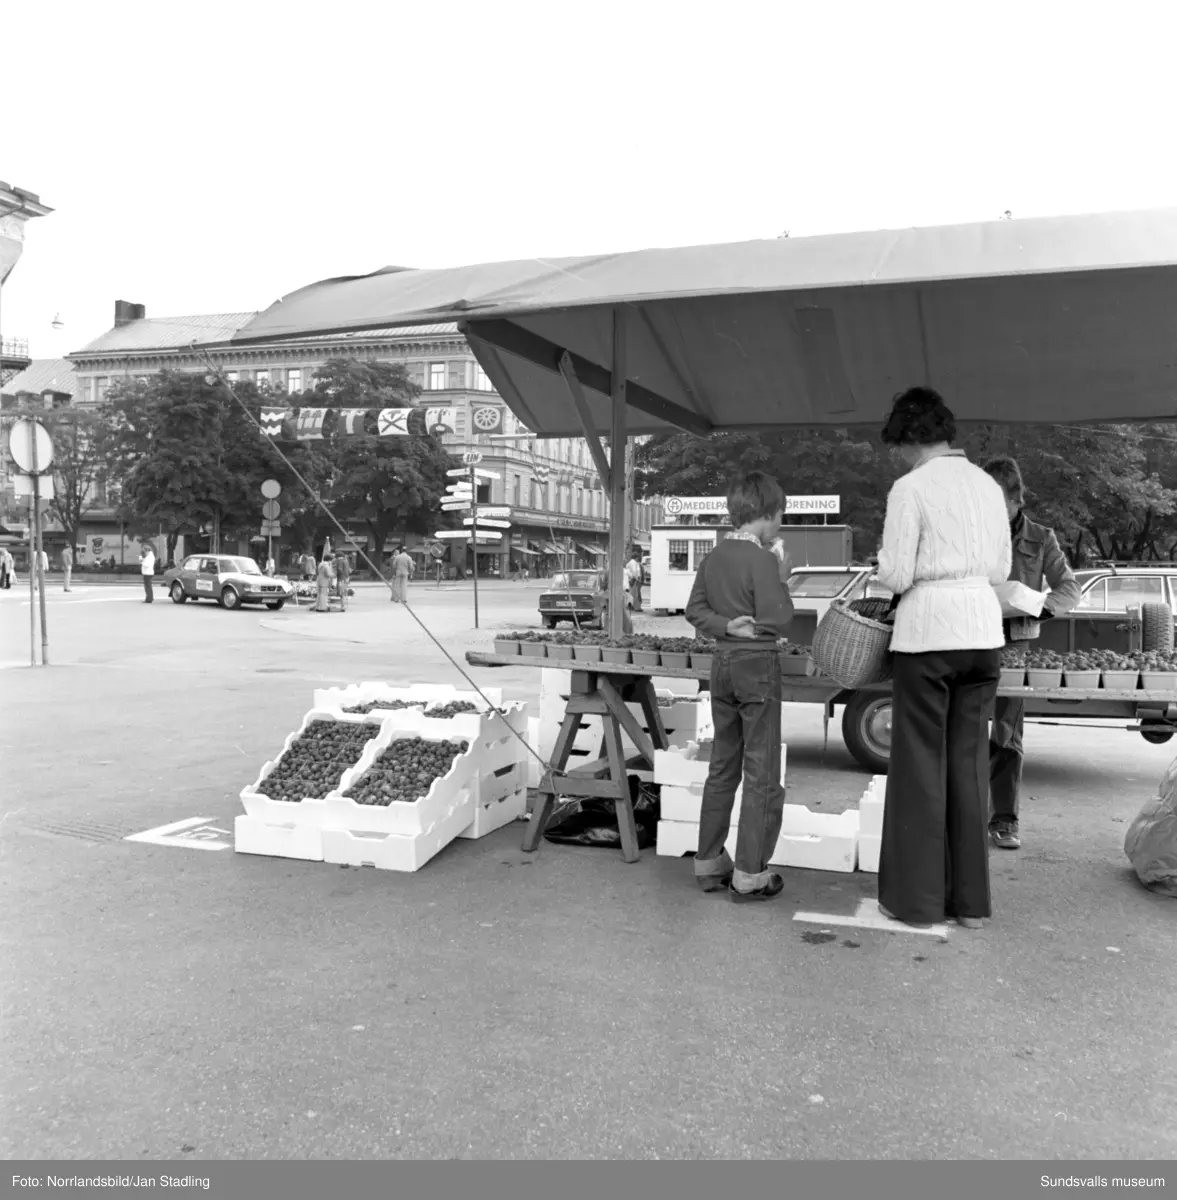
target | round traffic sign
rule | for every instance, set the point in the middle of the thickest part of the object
(27, 436)
(437, 550)
(270, 510)
(271, 489)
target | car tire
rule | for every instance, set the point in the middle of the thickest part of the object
(177, 593)
(230, 598)
(274, 605)
(866, 730)
(1156, 628)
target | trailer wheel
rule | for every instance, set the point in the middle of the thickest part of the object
(1156, 628)
(1157, 735)
(866, 730)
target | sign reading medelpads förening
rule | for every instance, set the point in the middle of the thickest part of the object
(694, 506)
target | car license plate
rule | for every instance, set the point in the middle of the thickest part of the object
(565, 603)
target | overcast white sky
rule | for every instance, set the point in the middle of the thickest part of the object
(210, 157)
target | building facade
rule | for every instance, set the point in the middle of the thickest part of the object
(559, 512)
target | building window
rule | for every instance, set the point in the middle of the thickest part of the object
(702, 549)
(100, 386)
(437, 377)
(294, 380)
(416, 373)
(518, 491)
(458, 375)
(231, 376)
(262, 378)
(482, 381)
(483, 491)
(680, 556)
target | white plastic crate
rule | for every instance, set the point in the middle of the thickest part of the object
(366, 693)
(682, 776)
(809, 840)
(817, 841)
(400, 852)
(871, 807)
(869, 847)
(310, 810)
(490, 815)
(252, 835)
(407, 818)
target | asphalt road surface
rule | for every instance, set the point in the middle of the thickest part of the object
(161, 1002)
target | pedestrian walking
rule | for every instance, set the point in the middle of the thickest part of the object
(147, 570)
(325, 578)
(7, 569)
(67, 567)
(271, 566)
(1037, 562)
(308, 567)
(343, 572)
(740, 599)
(633, 575)
(946, 546)
(402, 571)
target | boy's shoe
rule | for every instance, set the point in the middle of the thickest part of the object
(1005, 835)
(773, 887)
(714, 883)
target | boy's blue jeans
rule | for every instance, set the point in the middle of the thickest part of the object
(746, 710)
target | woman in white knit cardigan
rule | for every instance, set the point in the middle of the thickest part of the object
(946, 544)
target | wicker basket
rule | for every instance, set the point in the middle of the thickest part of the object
(851, 649)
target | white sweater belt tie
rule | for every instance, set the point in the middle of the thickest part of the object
(971, 581)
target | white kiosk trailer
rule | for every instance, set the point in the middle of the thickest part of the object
(697, 523)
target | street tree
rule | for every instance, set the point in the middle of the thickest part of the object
(387, 484)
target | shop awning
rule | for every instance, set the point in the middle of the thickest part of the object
(523, 550)
(1060, 319)
(552, 548)
(597, 550)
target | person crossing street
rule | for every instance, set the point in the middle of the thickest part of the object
(67, 567)
(402, 570)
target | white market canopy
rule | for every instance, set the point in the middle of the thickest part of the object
(1062, 319)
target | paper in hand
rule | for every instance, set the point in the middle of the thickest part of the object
(1017, 600)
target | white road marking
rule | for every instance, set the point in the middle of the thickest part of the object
(868, 917)
(175, 835)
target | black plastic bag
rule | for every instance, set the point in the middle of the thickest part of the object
(593, 821)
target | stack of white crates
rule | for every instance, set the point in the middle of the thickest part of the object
(818, 841)
(686, 719)
(870, 824)
(485, 788)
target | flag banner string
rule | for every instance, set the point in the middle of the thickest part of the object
(285, 417)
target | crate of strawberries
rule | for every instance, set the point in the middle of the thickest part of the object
(294, 786)
(404, 784)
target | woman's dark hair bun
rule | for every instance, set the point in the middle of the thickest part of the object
(919, 417)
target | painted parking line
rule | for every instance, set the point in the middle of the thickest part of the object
(868, 916)
(196, 833)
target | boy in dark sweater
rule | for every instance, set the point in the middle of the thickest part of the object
(740, 599)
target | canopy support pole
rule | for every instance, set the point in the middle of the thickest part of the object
(568, 370)
(618, 442)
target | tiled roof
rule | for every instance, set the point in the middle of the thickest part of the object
(167, 333)
(42, 373)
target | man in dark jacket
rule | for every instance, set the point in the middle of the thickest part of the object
(1039, 563)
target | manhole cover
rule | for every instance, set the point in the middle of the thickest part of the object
(84, 831)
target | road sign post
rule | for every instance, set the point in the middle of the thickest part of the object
(473, 457)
